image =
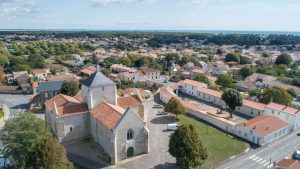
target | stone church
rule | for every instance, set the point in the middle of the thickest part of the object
(95, 113)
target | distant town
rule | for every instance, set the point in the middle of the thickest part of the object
(122, 99)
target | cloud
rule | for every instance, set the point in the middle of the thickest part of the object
(12, 9)
(109, 2)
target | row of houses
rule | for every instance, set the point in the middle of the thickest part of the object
(268, 121)
(143, 75)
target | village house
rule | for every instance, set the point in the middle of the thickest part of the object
(117, 68)
(191, 87)
(262, 129)
(117, 127)
(40, 74)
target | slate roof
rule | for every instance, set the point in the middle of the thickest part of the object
(50, 85)
(97, 79)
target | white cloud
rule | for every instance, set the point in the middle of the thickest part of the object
(12, 9)
(109, 2)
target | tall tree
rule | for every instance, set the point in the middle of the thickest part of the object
(186, 146)
(283, 58)
(174, 106)
(245, 72)
(202, 78)
(232, 57)
(19, 134)
(70, 88)
(233, 99)
(225, 80)
(276, 94)
(48, 154)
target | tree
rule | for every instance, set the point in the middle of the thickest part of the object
(283, 58)
(276, 94)
(174, 106)
(48, 153)
(245, 60)
(202, 78)
(265, 54)
(70, 88)
(245, 72)
(232, 57)
(224, 80)
(106, 72)
(19, 134)
(292, 92)
(126, 61)
(220, 51)
(233, 99)
(186, 146)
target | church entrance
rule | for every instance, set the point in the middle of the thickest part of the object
(130, 152)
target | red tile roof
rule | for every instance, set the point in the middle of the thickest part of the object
(264, 125)
(40, 71)
(87, 71)
(129, 101)
(254, 105)
(128, 91)
(71, 110)
(193, 82)
(108, 114)
(288, 163)
(60, 100)
(282, 108)
(210, 92)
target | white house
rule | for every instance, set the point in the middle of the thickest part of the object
(262, 129)
(211, 96)
(191, 87)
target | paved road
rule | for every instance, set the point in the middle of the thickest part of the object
(158, 157)
(16, 103)
(259, 158)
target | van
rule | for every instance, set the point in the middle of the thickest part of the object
(172, 127)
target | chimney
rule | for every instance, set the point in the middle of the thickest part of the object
(245, 123)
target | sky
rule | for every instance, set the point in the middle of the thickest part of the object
(247, 15)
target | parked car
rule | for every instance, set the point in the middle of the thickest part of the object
(158, 106)
(162, 113)
(296, 155)
(172, 127)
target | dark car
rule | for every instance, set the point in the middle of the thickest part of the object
(162, 113)
(296, 155)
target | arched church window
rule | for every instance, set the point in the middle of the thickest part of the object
(129, 134)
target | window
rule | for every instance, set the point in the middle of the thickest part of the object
(102, 88)
(258, 113)
(71, 128)
(129, 134)
(251, 111)
(272, 111)
(251, 132)
(278, 113)
(46, 95)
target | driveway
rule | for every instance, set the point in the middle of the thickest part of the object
(158, 156)
(16, 103)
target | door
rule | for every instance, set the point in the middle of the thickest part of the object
(130, 152)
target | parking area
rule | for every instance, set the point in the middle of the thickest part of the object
(158, 157)
(16, 103)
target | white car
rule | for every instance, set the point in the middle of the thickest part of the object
(158, 106)
(172, 127)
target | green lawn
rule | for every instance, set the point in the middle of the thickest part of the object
(219, 145)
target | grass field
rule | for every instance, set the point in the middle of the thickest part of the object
(219, 145)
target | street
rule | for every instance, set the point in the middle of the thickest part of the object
(260, 158)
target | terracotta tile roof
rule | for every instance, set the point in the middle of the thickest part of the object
(264, 125)
(197, 70)
(211, 92)
(254, 105)
(62, 77)
(149, 70)
(87, 71)
(78, 97)
(128, 91)
(193, 82)
(71, 110)
(60, 100)
(282, 108)
(288, 163)
(40, 71)
(108, 114)
(129, 101)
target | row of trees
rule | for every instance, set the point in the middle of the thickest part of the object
(29, 144)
